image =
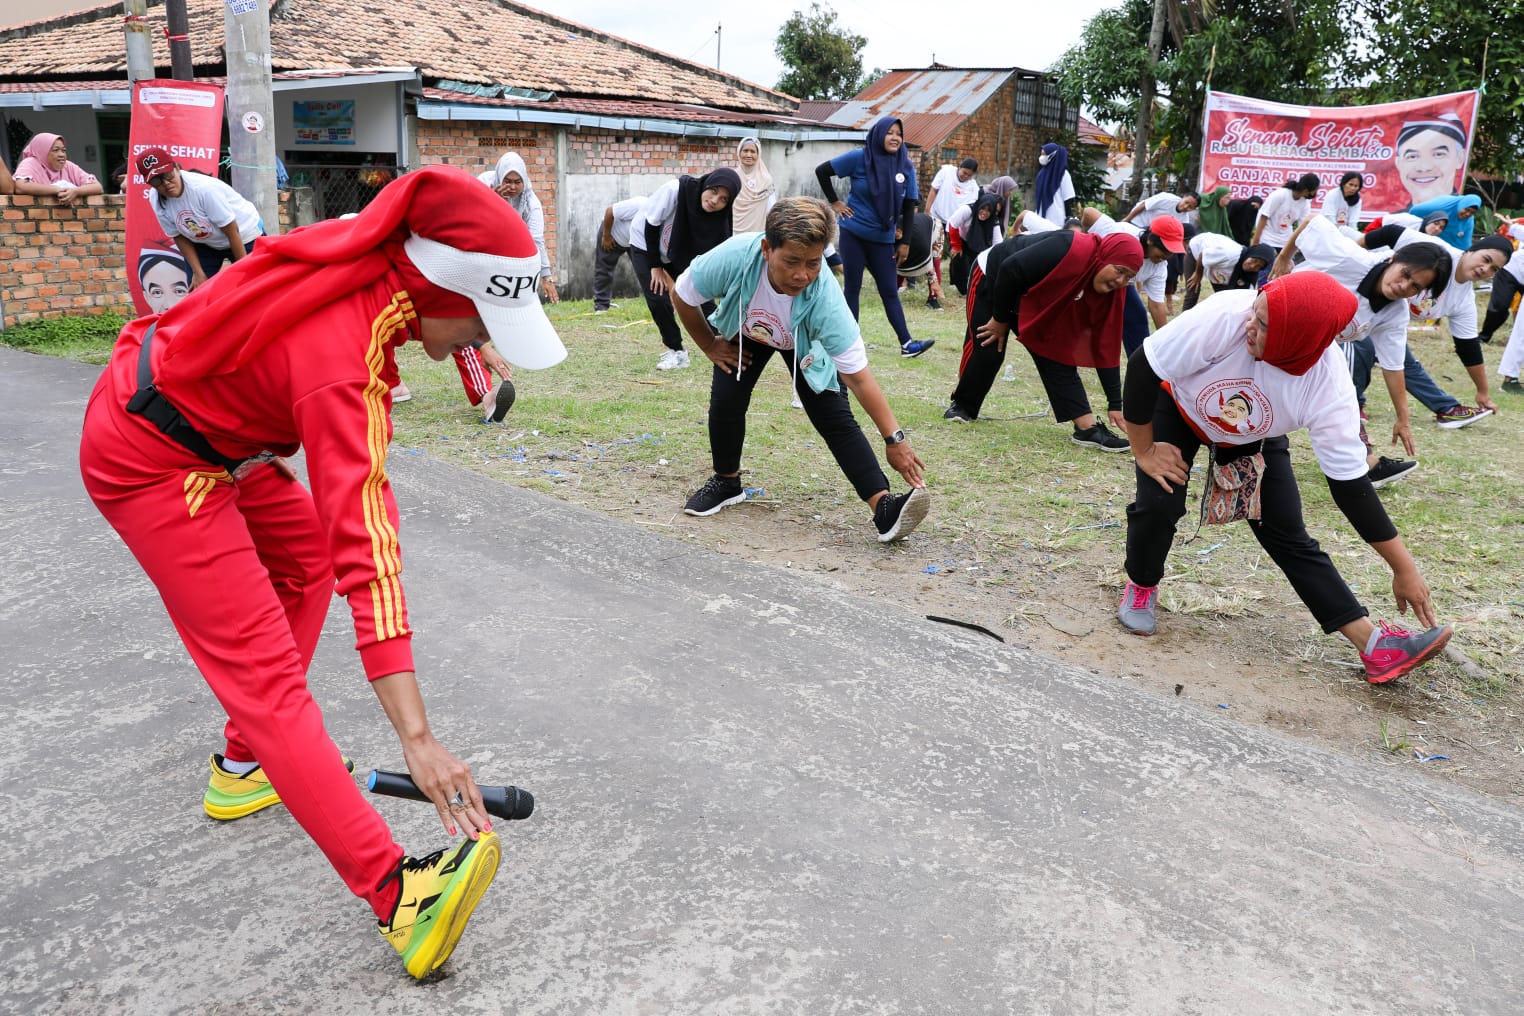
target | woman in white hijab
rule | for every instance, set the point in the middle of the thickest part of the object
(510, 178)
(748, 211)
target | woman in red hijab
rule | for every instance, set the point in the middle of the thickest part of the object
(1239, 373)
(293, 347)
(1064, 293)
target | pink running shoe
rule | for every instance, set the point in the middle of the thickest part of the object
(1398, 651)
(1137, 610)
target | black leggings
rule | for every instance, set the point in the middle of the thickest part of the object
(829, 412)
(1504, 286)
(980, 364)
(1151, 520)
(659, 306)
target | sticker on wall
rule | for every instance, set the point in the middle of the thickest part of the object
(253, 122)
(243, 6)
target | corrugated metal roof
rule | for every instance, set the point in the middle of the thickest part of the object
(931, 103)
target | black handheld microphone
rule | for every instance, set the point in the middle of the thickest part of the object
(504, 802)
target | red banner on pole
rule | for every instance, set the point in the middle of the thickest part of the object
(1406, 152)
(184, 118)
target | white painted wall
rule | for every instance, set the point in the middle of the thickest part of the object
(75, 123)
(375, 119)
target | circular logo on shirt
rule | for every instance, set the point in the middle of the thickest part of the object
(192, 227)
(1235, 407)
(899, 178)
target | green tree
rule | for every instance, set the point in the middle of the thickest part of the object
(1414, 51)
(1271, 49)
(824, 59)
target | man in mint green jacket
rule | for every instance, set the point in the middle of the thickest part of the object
(772, 297)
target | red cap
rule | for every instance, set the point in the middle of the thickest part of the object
(154, 162)
(1170, 234)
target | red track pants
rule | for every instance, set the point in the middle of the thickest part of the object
(245, 573)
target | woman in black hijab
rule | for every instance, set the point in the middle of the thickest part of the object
(686, 217)
(1242, 214)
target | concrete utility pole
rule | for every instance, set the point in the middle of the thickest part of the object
(177, 26)
(139, 42)
(251, 106)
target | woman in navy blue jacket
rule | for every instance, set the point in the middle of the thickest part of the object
(884, 194)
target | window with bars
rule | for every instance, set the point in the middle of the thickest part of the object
(1039, 103)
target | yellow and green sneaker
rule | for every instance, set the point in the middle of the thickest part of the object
(437, 895)
(229, 796)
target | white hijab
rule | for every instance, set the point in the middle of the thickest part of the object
(748, 209)
(512, 162)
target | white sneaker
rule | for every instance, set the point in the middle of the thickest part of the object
(672, 359)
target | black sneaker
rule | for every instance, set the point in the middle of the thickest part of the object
(719, 492)
(498, 401)
(933, 303)
(1387, 469)
(897, 515)
(1099, 437)
(957, 414)
(1511, 385)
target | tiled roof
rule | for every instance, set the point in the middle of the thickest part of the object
(488, 41)
(626, 108)
(931, 103)
(1091, 134)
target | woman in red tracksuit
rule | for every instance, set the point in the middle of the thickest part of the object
(294, 347)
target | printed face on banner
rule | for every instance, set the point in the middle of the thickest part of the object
(185, 119)
(1406, 152)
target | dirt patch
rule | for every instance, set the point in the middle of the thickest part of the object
(1269, 665)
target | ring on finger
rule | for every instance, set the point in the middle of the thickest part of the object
(458, 801)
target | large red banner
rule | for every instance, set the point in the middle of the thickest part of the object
(184, 118)
(1406, 152)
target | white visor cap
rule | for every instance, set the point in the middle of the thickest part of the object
(506, 292)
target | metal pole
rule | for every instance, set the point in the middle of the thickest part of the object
(139, 42)
(717, 27)
(251, 108)
(178, 27)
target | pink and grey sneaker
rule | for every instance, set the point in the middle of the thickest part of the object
(1137, 610)
(1398, 651)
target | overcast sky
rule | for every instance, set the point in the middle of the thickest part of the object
(900, 33)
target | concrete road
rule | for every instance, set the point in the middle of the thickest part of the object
(756, 795)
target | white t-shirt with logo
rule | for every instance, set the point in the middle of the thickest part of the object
(204, 206)
(1281, 213)
(952, 193)
(1235, 399)
(1325, 249)
(1152, 276)
(1457, 304)
(769, 319)
(1217, 254)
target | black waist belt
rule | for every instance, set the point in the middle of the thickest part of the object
(148, 403)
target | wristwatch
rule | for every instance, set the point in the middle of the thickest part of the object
(898, 437)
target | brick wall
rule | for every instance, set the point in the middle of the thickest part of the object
(56, 261)
(477, 145)
(1002, 147)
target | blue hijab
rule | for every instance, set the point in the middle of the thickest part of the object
(1459, 232)
(1051, 176)
(884, 191)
